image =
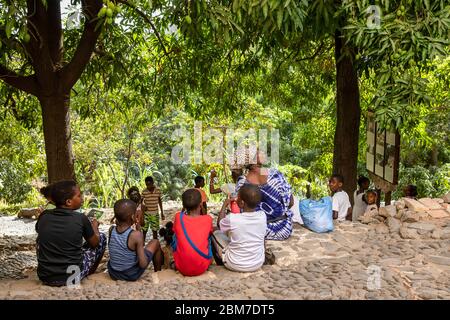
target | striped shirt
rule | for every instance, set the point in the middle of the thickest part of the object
(121, 258)
(151, 200)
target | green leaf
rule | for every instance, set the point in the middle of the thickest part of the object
(9, 26)
(265, 10)
(279, 18)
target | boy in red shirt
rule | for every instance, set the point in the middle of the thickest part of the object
(192, 230)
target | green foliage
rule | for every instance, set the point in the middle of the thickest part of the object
(432, 182)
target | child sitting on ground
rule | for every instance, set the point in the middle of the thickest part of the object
(128, 257)
(135, 196)
(167, 234)
(60, 238)
(342, 209)
(360, 204)
(199, 184)
(242, 249)
(151, 199)
(410, 191)
(372, 208)
(192, 231)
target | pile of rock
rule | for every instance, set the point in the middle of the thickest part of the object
(413, 219)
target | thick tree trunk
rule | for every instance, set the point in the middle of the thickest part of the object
(57, 136)
(346, 136)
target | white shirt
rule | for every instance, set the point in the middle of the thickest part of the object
(341, 203)
(247, 231)
(359, 206)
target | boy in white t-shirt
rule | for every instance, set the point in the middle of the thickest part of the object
(239, 244)
(342, 209)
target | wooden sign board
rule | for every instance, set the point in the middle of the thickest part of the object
(383, 151)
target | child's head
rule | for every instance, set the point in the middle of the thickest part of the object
(167, 232)
(199, 182)
(46, 192)
(66, 194)
(149, 182)
(249, 196)
(124, 210)
(235, 174)
(336, 182)
(371, 196)
(410, 191)
(134, 195)
(363, 182)
(191, 199)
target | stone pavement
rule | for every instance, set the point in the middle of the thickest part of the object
(356, 261)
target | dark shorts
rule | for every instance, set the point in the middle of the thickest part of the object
(132, 274)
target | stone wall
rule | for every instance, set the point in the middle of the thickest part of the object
(413, 219)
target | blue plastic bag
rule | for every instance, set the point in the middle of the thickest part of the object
(317, 215)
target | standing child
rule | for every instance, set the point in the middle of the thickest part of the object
(242, 249)
(199, 184)
(342, 209)
(134, 195)
(360, 205)
(128, 257)
(151, 199)
(60, 238)
(192, 230)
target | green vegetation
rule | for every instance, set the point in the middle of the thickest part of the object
(144, 68)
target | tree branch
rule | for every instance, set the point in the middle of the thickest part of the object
(27, 84)
(72, 71)
(148, 20)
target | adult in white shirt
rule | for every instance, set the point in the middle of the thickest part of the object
(359, 203)
(239, 242)
(342, 208)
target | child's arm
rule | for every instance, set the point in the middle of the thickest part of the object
(94, 240)
(161, 207)
(335, 214)
(223, 211)
(291, 201)
(349, 214)
(137, 242)
(212, 189)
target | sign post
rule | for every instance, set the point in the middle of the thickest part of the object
(382, 157)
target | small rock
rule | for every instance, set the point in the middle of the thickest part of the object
(28, 213)
(381, 229)
(400, 204)
(446, 198)
(436, 234)
(366, 219)
(437, 214)
(387, 211)
(439, 200)
(422, 226)
(410, 216)
(393, 224)
(400, 213)
(407, 233)
(415, 205)
(440, 260)
(430, 203)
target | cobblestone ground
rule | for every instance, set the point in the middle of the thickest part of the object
(355, 261)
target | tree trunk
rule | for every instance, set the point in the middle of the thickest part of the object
(58, 138)
(346, 137)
